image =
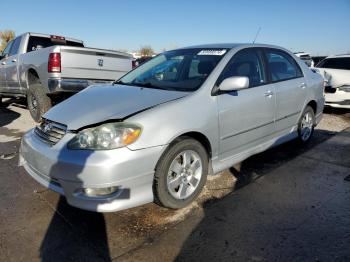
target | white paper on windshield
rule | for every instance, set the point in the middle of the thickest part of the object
(212, 52)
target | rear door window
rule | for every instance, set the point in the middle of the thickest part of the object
(335, 63)
(282, 66)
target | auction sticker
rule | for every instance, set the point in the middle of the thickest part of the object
(212, 52)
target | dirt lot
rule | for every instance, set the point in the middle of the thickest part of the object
(286, 204)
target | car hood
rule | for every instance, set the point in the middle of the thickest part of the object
(97, 104)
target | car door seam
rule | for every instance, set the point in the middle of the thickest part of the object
(284, 117)
(247, 130)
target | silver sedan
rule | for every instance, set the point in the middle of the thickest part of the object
(156, 133)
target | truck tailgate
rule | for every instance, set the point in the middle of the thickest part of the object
(91, 63)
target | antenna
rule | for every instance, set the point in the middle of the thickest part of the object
(257, 33)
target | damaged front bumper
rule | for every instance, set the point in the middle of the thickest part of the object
(74, 173)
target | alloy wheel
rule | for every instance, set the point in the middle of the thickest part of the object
(184, 174)
(306, 126)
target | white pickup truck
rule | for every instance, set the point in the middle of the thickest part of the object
(48, 68)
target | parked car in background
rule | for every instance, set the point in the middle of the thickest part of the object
(156, 133)
(318, 59)
(45, 68)
(336, 72)
(306, 58)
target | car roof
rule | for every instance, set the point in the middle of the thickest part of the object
(231, 45)
(338, 56)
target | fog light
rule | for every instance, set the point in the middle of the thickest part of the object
(96, 192)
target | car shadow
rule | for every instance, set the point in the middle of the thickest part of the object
(245, 173)
(74, 234)
(8, 115)
(336, 110)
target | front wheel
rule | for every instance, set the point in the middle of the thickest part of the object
(306, 125)
(181, 174)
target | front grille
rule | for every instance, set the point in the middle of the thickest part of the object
(50, 132)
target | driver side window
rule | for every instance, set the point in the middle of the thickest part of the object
(247, 63)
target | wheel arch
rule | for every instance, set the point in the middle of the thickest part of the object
(198, 136)
(31, 75)
(313, 105)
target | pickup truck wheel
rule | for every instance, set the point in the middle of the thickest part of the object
(306, 125)
(38, 101)
(180, 174)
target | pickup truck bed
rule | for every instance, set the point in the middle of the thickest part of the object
(44, 68)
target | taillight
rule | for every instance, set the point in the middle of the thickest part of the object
(54, 64)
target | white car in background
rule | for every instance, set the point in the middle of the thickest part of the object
(306, 57)
(336, 72)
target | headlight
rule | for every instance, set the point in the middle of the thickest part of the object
(105, 137)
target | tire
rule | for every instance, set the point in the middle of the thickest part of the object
(37, 100)
(306, 125)
(177, 181)
(1, 104)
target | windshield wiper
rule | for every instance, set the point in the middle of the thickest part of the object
(121, 83)
(141, 84)
(149, 85)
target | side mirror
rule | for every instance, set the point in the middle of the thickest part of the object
(234, 83)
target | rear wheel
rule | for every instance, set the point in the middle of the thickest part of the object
(180, 174)
(37, 100)
(1, 104)
(306, 125)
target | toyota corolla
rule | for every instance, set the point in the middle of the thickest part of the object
(156, 133)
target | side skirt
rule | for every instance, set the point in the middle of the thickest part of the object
(280, 137)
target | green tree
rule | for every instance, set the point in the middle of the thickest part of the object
(146, 51)
(6, 36)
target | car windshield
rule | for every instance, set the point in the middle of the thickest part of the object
(178, 70)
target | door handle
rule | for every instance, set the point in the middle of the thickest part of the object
(14, 60)
(268, 93)
(302, 85)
